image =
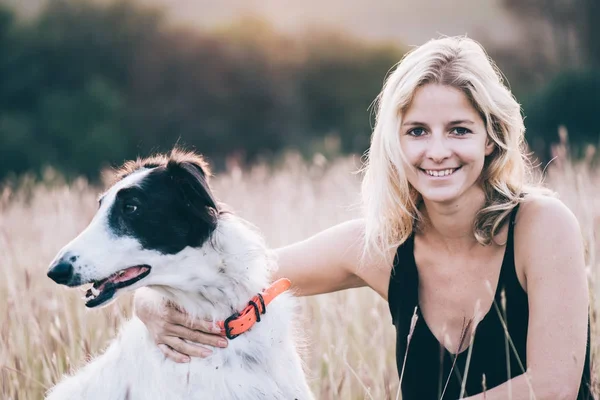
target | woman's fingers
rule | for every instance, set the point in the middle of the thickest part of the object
(172, 354)
(203, 325)
(185, 348)
(168, 325)
(197, 336)
(176, 317)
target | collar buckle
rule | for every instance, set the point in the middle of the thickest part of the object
(228, 328)
(240, 322)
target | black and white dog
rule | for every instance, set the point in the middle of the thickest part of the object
(160, 226)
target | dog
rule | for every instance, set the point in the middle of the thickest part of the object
(160, 227)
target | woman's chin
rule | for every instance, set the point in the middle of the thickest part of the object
(444, 196)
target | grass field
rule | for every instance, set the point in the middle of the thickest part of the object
(45, 330)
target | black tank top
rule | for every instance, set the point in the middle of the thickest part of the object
(428, 363)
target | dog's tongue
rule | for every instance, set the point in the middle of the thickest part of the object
(126, 274)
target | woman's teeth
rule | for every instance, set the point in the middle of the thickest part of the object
(444, 172)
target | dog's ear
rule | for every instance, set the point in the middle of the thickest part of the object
(191, 183)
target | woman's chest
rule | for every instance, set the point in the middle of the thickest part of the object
(455, 293)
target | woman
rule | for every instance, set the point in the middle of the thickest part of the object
(455, 237)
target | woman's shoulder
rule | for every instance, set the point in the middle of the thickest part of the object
(545, 228)
(538, 212)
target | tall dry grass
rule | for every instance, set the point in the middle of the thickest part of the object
(45, 330)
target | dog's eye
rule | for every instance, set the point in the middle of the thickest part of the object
(129, 208)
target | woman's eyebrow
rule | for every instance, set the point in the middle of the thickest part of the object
(455, 122)
(413, 123)
(461, 121)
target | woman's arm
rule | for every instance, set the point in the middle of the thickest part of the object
(324, 263)
(550, 247)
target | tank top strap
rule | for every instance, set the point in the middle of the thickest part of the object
(404, 281)
(508, 273)
(513, 215)
(510, 240)
(403, 257)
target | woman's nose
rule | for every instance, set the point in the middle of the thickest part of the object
(438, 149)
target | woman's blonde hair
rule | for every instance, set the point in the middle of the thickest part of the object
(390, 202)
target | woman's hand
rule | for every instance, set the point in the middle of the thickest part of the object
(177, 336)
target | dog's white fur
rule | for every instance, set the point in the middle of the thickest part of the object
(262, 363)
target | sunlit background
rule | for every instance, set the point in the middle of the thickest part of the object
(87, 84)
(278, 96)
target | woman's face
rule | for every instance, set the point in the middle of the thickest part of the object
(444, 139)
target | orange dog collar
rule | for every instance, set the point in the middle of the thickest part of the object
(242, 321)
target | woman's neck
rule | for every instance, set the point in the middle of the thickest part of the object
(452, 223)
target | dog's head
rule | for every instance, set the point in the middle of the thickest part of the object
(157, 208)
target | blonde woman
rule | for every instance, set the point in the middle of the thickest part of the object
(456, 236)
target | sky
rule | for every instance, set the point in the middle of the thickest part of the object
(409, 22)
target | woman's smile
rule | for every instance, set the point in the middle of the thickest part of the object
(439, 174)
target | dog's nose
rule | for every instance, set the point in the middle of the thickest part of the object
(61, 272)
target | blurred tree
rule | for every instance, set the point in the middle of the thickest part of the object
(84, 128)
(561, 40)
(340, 81)
(58, 90)
(572, 100)
(591, 32)
(572, 25)
(89, 83)
(16, 130)
(211, 94)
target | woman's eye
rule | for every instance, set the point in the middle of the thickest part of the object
(461, 131)
(129, 208)
(417, 132)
